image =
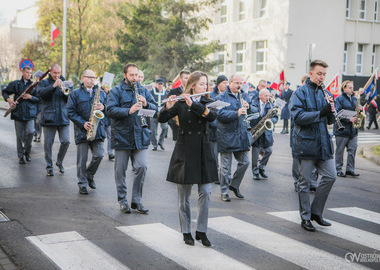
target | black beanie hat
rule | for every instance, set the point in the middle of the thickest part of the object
(221, 78)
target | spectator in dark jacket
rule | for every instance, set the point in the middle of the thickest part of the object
(54, 117)
(373, 109)
(312, 143)
(79, 108)
(129, 138)
(24, 114)
(286, 94)
(233, 137)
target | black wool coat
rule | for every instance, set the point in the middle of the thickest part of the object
(192, 161)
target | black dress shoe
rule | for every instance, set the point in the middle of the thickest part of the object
(217, 182)
(352, 173)
(124, 208)
(91, 183)
(161, 146)
(49, 172)
(111, 157)
(320, 220)
(256, 176)
(306, 225)
(27, 157)
(154, 149)
(262, 173)
(282, 131)
(237, 192)
(341, 174)
(189, 240)
(21, 160)
(139, 207)
(203, 237)
(83, 190)
(60, 168)
(225, 198)
(313, 189)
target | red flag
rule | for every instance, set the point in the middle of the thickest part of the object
(54, 33)
(333, 87)
(177, 83)
(279, 82)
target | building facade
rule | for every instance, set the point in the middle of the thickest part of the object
(261, 37)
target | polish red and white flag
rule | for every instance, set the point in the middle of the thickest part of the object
(333, 87)
(54, 33)
(279, 82)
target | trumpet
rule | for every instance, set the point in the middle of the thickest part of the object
(182, 97)
(65, 87)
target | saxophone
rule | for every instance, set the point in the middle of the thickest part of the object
(264, 124)
(95, 117)
(359, 115)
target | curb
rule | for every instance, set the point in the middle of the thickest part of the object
(367, 154)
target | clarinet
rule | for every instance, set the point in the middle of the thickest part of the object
(337, 120)
(143, 122)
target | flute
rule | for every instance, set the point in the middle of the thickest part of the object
(182, 97)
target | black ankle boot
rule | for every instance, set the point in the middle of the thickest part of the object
(203, 237)
(189, 240)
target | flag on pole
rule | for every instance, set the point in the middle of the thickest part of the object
(279, 82)
(177, 82)
(333, 87)
(370, 87)
(54, 33)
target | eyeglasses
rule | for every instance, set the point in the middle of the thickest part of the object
(238, 83)
(90, 77)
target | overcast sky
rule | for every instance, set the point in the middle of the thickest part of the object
(8, 8)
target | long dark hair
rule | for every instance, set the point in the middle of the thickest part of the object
(193, 79)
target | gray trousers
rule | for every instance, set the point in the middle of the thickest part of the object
(37, 126)
(267, 152)
(352, 145)
(24, 136)
(296, 174)
(326, 168)
(225, 170)
(85, 173)
(153, 128)
(138, 158)
(64, 139)
(204, 193)
(108, 134)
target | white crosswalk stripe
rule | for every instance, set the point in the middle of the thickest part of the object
(281, 246)
(169, 243)
(338, 230)
(359, 213)
(70, 250)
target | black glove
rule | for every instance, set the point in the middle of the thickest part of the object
(325, 110)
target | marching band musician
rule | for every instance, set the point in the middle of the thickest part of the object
(192, 161)
(107, 125)
(348, 137)
(24, 114)
(233, 137)
(158, 93)
(130, 138)
(79, 108)
(54, 117)
(312, 144)
(286, 94)
(265, 142)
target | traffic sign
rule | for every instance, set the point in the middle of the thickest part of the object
(26, 63)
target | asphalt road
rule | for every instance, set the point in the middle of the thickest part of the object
(244, 233)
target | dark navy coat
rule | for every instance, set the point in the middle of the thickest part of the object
(27, 109)
(286, 95)
(266, 139)
(126, 130)
(344, 102)
(53, 103)
(155, 94)
(193, 160)
(310, 137)
(79, 109)
(232, 133)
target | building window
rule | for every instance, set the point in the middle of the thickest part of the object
(373, 58)
(242, 10)
(376, 12)
(348, 8)
(345, 58)
(239, 56)
(262, 8)
(223, 11)
(362, 6)
(359, 59)
(221, 57)
(261, 56)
